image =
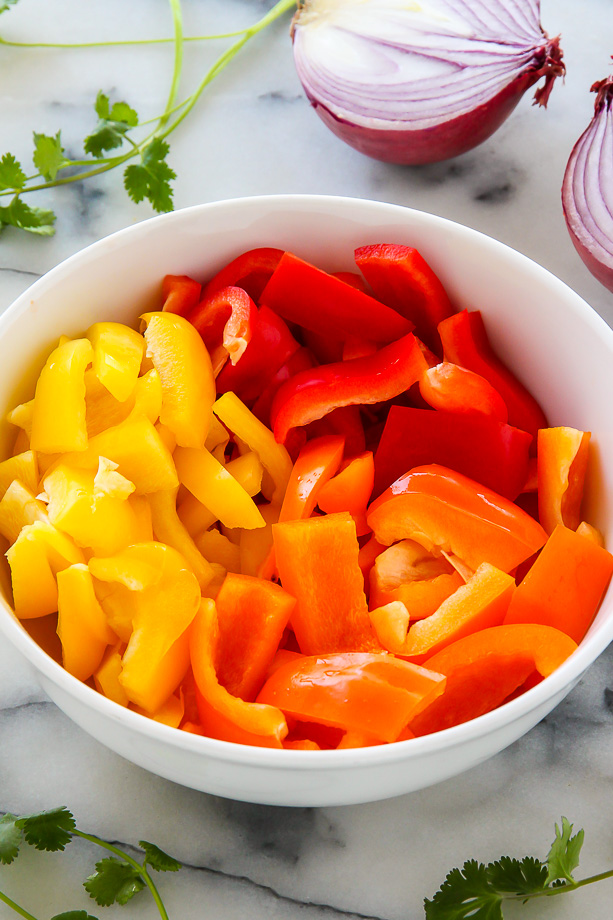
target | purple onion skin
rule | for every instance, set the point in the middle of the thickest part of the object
(450, 138)
(602, 271)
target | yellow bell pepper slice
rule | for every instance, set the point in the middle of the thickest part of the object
(147, 396)
(18, 508)
(106, 677)
(118, 354)
(170, 713)
(167, 528)
(188, 386)
(274, 457)
(217, 548)
(37, 555)
(217, 436)
(102, 410)
(22, 416)
(144, 523)
(58, 422)
(216, 488)
(118, 605)
(255, 545)
(23, 467)
(81, 626)
(247, 470)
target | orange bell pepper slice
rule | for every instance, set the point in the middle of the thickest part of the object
(406, 572)
(483, 669)
(223, 715)
(453, 388)
(480, 603)
(251, 615)
(317, 561)
(350, 490)
(188, 386)
(374, 694)
(315, 465)
(562, 455)
(565, 585)
(443, 509)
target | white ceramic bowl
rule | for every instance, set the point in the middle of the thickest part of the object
(558, 346)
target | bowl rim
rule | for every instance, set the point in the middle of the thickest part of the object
(559, 682)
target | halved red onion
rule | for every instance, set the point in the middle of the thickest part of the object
(417, 81)
(587, 190)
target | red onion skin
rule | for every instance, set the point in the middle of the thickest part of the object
(450, 138)
(602, 272)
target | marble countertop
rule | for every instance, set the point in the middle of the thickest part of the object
(253, 132)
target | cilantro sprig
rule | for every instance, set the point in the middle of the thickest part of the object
(117, 878)
(118, 139)
(479, 891)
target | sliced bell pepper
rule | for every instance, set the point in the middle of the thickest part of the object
(301, 360)
(246, 470)
(562, 457)
(465, 342)
(406, 572)
(251, 615)
(483, 669)
(317, 463)
(444, 510)
(477, 446)
(102, 410)
(188, 386)
(350, 490)
(456, 389)
(324, 348)
(255, 545)
(215, 487)
(401, 278)
(223, 715)
(353, 279)
(58, 421)
(225, 318)
(480, 603)
(358, 348)
(243, 423)
(345, 421)
(367, 555)
(565, 585)
(19, 507)
(591, 533)
(271, 345)
(372, 693)
(180, 294)
(106, 678)
(251, 270)
(22, 466)
(81, 625)
(304, 294)
(37, 555)
(167, 528)
(317, 560)
(215, 547)
(390, 623)
(310, 395)
(118, 355)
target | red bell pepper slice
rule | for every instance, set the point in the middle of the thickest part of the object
(346, 421)
(225, 318)
(271, 345)
(317, 463)
(401, 278)
(444, 510)
(252, 615)
(317, 559)
(301, 360)
(456, 389)
(465, 342)
(306, 295)
(478, 446)
(565, 585)
(371, 693)
(251, 270)
(312, 394)
(180, 294)
(353, 279)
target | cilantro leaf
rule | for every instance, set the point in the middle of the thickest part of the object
(11, 173)
(113, 880)
(74, 915)
(48, 830)
(24, 217)
(10, 839)
(151, 178)
(7, 4)
(518, 877)
(466, 892)
(113, 124)
(48, 156)
(158, 859)
(563, 857)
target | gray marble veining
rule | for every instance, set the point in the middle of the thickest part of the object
(252, 133)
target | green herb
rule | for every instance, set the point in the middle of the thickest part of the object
(479, 892)
(117, 878)
(117, 130)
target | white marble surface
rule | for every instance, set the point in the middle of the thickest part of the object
(254, 133)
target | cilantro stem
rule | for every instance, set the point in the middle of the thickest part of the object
(19, 910)
(140, 868)
(177, 19)
(127, 42)
(561, 889)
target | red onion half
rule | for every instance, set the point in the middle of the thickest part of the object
(417, 81)
(587, 190)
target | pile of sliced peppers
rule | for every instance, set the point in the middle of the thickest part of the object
(298, 509)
